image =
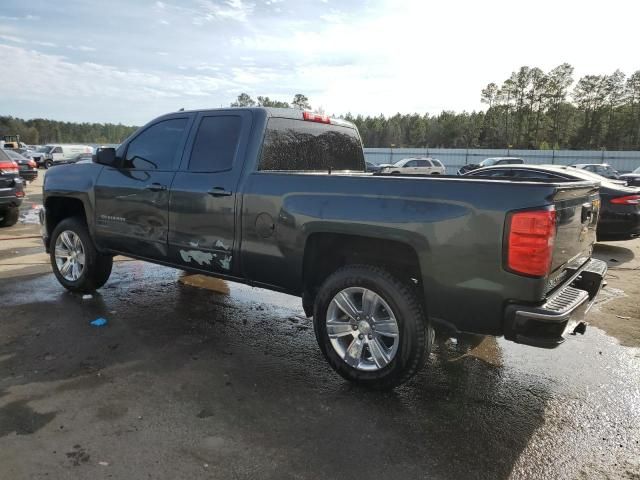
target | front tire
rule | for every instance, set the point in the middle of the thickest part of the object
(371, 326)
(48, 164)
(76, 263)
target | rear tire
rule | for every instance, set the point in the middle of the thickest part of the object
(414, 334)
(9, 217)
(96, 267)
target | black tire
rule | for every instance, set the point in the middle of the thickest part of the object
(97, 266)
(48, 164)
(415, 333)
(9, 217)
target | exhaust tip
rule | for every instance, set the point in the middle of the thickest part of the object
(580, 328)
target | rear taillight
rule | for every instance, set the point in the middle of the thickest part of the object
(32, 164)
(626, 200)
(315, 117)
(8, 167)
(530, 238)
(20, 193)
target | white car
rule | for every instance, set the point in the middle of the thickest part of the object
(416, 166)
(51, 154)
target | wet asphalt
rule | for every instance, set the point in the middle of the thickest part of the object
(188, 383)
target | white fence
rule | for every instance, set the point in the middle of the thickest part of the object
(454, 158)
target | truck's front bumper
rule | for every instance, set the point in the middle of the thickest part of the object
(547, 325)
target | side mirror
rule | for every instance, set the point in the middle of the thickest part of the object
(106, 156)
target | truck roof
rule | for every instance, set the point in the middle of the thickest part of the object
(292, 113)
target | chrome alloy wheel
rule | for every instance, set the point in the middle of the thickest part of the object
(69, 254)
(362, 328)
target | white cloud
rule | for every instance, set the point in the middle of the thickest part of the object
(40, 77)
(12, 38)
(44, 44)
(81, 48)
(228, 10)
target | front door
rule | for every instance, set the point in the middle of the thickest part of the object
(204, 196)
(132, 201)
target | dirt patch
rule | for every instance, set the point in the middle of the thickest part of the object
(617, 310)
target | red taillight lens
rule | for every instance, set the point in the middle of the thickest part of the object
(32, 164)
(627, 200)
(530, 240)
(315, 117)
(8, 167)
(19, 194)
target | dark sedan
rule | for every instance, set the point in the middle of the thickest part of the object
(11, 191)
(633, 178)
(28, 168)
(620, 208)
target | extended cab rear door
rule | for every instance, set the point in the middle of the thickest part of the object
(204, 194)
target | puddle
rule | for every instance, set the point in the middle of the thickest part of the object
(607, 294)
(208, 283)
(31, 216)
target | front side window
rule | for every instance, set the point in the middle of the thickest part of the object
(57, 150)
(216, 143)
(437, 163)
(412, 163)
(157, 146)
(298, 145)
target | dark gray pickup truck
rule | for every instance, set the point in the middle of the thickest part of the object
(280, 199)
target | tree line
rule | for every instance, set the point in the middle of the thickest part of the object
(530, 109)
(40, 131)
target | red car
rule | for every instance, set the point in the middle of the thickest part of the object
(11, 191)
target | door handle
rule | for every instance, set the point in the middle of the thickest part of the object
(156, 187)
(219, 192)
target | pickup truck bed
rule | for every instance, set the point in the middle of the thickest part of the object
(293, 211)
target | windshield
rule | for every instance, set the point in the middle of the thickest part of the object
(44, 149)
(401, 162)
(487, 162)
(637, 170)
(587, 175)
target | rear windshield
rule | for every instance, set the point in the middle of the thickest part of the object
(310, 146)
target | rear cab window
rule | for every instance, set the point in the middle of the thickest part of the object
(299, 145)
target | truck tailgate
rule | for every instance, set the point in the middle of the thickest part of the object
(577, 211)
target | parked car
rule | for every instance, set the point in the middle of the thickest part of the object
(488, 162)
(279, 198)
(58, 154)
(28, 169)
(633, 178)
(601, 169)
(620, 205)
(416, 166)
(11, 191)
(372, 167)
(25, 152)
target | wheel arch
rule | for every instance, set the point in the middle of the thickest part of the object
(325, 253)
(58, 208)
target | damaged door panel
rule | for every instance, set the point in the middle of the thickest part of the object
(202, 207)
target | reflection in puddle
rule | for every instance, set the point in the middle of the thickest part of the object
(202, 281)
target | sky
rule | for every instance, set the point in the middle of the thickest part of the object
(127, 61)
